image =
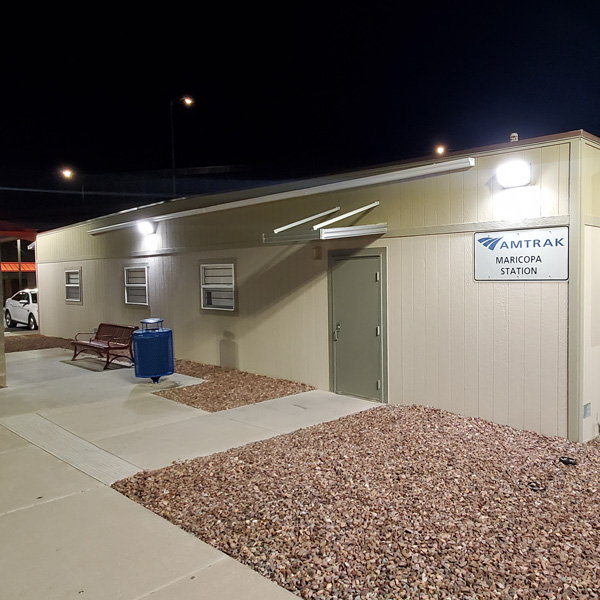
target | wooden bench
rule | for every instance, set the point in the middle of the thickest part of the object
(110, 341)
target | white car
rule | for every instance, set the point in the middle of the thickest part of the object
(22, 308)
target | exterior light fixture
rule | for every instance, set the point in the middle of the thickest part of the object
(515, 173)
(67, 173)
(146, 227)
(439, 150)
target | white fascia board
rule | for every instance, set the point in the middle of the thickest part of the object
(330, 233)
(348, 184)
(354, 231)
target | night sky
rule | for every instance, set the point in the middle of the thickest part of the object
(305, 90)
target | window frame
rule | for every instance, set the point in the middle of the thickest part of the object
(71, 286)
(129, 286)
(207, 288)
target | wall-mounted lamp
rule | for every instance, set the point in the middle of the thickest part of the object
(146, 227)
(515, 173)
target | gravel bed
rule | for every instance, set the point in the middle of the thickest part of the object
(228, 388)
(34, 341)
(396, 502)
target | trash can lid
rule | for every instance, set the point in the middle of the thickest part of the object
(152, 323)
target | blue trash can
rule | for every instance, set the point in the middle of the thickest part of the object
(153, 350)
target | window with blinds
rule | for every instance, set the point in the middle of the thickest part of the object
(73, 286)
(136, 285)
(217, 283)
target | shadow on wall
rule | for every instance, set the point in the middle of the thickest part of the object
(288, 272)
(228, 351)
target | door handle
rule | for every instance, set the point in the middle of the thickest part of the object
(336, 333)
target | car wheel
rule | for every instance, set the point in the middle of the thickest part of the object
(31, 324)
(8, 319)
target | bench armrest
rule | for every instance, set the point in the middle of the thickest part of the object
(91, 334)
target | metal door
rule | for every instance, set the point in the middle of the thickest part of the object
(356, 336)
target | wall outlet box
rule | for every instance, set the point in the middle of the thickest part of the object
(587, 410)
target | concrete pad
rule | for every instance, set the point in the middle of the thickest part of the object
(160, 446)
(298, 411)
(95, 545)
(79, 387)
(225, 580)
(26, 367)
(109, 418)
(10, 440)
(31, 476)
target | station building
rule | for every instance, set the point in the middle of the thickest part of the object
(469, 282)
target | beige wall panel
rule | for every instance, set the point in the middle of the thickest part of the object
(456, 315)
(485, 359)
(485, 181)
(401, 314)
(501, 356)
(591, 331)
(470, 200)
(486, 349)
(590, 181)
(533, 351)
(549, 373)
(456, 197)
(471, 349)
(564, 180)
(563, 359)
(420, 310)
(431, 338)
(431, 200)
(444, 320)
(550, 181)
(516, 352)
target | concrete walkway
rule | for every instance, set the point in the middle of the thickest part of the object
(68, 431)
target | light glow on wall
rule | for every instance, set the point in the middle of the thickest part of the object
(146, 227)
(515, 173)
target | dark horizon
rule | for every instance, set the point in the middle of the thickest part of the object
(312, 93)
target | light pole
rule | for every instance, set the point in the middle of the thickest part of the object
(186, 101)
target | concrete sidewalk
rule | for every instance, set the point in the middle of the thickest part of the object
(67, 431)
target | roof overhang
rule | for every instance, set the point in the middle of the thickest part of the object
(326, 234)
(458, 164)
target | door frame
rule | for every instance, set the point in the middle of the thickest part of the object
(380, 253)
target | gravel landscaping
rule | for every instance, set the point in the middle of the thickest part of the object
(396, 502)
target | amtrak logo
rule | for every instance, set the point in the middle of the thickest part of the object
(489, 242)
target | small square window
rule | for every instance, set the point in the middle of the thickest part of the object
(73, 286)
(217, 283)
(136, 285)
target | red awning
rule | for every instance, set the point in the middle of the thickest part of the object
(13, 267)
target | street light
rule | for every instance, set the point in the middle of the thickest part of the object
(68, 173)
(186, 101)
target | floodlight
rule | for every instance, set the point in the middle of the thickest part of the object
(515, 173)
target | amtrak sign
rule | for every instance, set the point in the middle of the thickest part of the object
(527, 254)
